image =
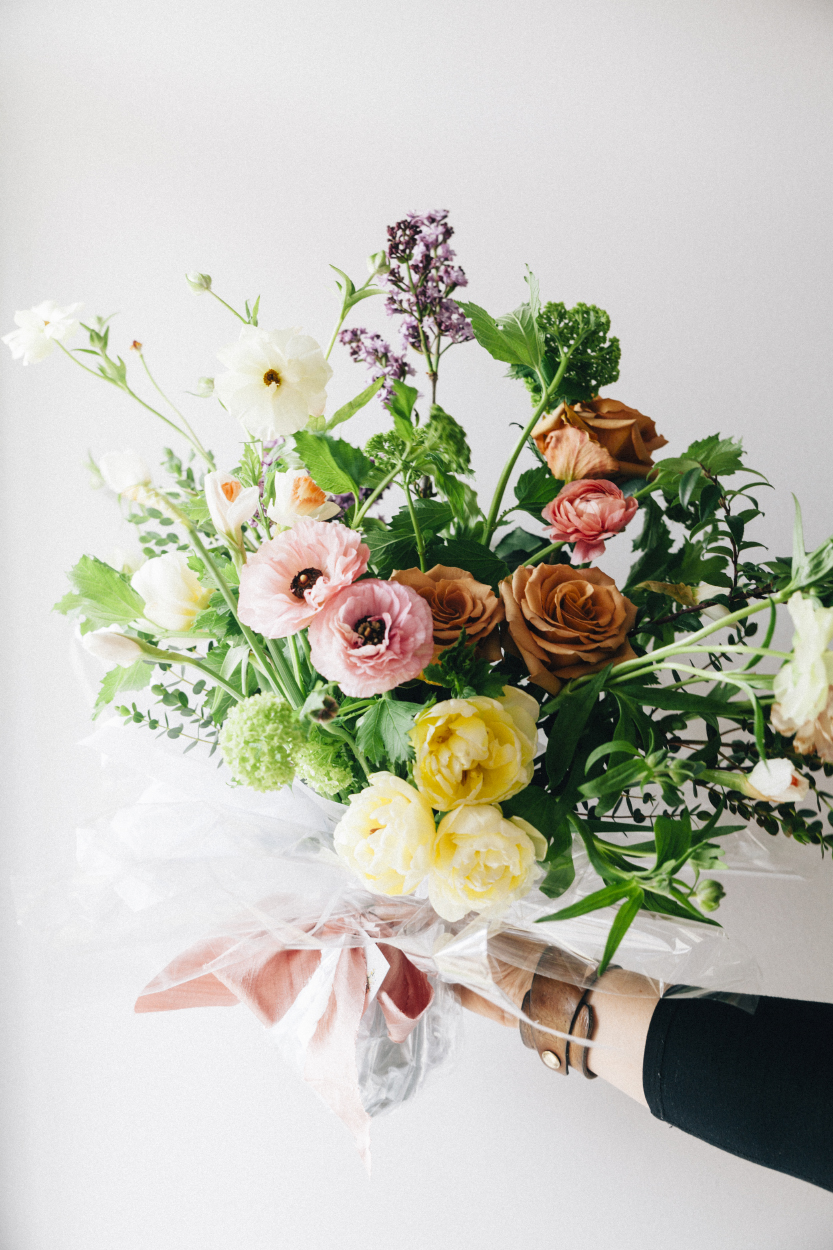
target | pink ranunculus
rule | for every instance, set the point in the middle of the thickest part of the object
(372, 636)
(586, 513)
(287, 581)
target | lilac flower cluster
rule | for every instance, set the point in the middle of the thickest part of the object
(421, 280)
(379, 356)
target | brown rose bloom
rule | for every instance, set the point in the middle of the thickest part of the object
(628, 435)
(566, 622)
(457, 603)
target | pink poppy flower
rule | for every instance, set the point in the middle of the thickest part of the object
(372, 636)
(287, 581)
(586, 513)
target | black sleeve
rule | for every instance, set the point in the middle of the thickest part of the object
(757, 1085)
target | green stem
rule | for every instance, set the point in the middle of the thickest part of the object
(174, 408)
(540, 555)
(225, 591)
(338, 731)
(548, 392)
(715, 676)
(371, 499)
(291, 689)
(339, 324)
(178, 657)
(296, 662)
(238, 315)
(420, 541)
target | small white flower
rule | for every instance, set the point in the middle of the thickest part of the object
(776, 781)
(172, 592)
(802, 684)
(112, 647)
(198, 282)
(123, 470)
(705, 591)
(230, 504)
(276, 380)
(297, 496)
(40, 329)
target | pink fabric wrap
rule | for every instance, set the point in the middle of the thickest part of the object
(259, 970)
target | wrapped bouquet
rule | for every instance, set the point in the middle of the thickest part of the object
(482, 732)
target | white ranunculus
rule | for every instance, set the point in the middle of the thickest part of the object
(802, 684)
(230, 504)
(112, 647)
(40, 329)
(122, 470)
(776, 781)
(172, 592)
(276, 380)
(296, 497)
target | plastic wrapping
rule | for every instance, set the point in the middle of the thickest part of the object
(202, 891)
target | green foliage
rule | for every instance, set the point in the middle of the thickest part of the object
(459, 670)
(574, 709)
(583, 334)
(135, 677)
(443, 441)
(534, 489)
(323, 763)
(517, 545)
(250, 468)
(463, 553)
(348, 410)
(101, 596)
(384, 729)
(719, 456)
(335, 465)
(395, 547)
(514, 338)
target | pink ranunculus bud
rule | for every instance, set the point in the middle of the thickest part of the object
(372, 636)
(572, 454)
(586, 513)
(288, 580)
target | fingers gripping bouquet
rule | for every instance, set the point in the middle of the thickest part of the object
(485, 703)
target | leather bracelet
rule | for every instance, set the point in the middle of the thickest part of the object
(560, 1004)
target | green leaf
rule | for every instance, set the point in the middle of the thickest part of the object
(593, 902)
(346, 411)
(464, 673)
(431, 515)
(541, 810)
(464, 553)
(402, 401)
(515, 546)
(136, 677)
(720, 456)
(461, 497)
(623, 920)
(383, 731)
(673, 838)
(561, 873)
(250, 469)
(334, 465)
(572, 715)
(102, 596)
(489, 335)
(707, 707)
(688, 482)
(536, 488)
(391, 549)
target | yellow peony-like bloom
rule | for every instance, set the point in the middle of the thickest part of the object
(481, 861)
(386, 835)
(476, 750)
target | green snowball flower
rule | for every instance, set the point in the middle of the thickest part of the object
(260, 740)
(323, 764)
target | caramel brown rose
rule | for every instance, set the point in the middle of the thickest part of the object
(457, 603)
(566, 622)
(627, 435)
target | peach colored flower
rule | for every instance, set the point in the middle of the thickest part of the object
(297, 496)
(566, 622)
(626, 434)
(586, 513)
(371, 637)
(572, 454)
(813, 737)
(457, 603)
(287, 581)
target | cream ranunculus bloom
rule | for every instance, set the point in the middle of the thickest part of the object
(776, 781)
(276, 380)
(230, 503)
(297, 496)
(481, 861)
(801, 687)
(40, 328)
(476, 750)
(386, 835)
(172, 592)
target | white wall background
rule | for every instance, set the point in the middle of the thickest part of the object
(669, 161)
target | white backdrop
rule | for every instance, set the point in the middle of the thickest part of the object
(669, 161)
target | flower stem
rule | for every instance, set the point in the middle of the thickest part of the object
(238, 315)
(179, 657)
(338, 731)
(291, 690)
(371, 499)
(420, 541)
(546, 551)
(547, 394)
(205, 455)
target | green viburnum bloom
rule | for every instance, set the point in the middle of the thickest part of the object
(260, 741)
(322, 763)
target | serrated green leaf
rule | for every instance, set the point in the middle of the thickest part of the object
(536, 488)
(383, 731)
(102, 596)
(464, 553)
(334, 465)
(136, 677)
(489, 335)
(250, 468)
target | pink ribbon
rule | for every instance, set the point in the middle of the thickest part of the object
(265, 973)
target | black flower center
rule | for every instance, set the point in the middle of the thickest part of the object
(270, 376)
(372, 630)
(304, 581)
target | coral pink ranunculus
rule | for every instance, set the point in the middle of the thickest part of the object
(372, 636)
(287, 581)
(586, 513)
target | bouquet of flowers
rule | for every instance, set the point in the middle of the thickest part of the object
(484, 709)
